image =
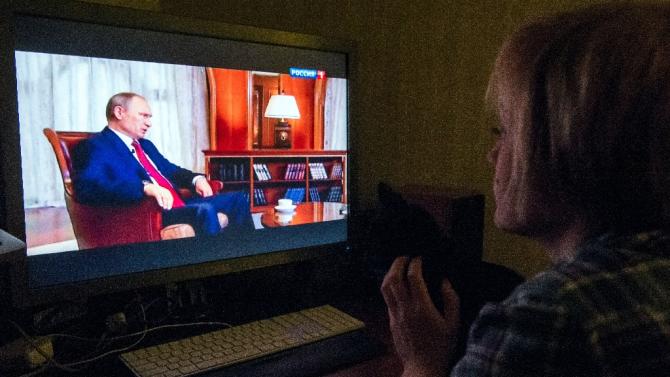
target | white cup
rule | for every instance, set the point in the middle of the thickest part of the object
(284, 218)
(284, 203)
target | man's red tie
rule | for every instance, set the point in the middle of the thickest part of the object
(156, 175)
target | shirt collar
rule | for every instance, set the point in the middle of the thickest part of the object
(124, 138)
(650, 242)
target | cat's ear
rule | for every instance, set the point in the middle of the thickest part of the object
(383, 190)
(389, 198)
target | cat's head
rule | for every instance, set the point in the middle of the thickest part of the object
(401, 228)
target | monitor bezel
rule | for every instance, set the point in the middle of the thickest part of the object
(11, 207)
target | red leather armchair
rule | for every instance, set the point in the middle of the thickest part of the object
(99, 226)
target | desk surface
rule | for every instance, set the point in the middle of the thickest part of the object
(304, 213)
(368, 307)
(386, 364)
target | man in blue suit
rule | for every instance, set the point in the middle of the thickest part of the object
(119, 166)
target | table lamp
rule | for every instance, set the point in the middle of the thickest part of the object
(282, 107)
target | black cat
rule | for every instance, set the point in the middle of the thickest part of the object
(400, 229)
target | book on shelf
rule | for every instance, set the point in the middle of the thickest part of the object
(294, 171)
(289, 171)
(296, 194)
(257, 171)
(259, 197)
(242, 171)
(266, 172)
(232, 171)
(322, 171)
(262, 172)
(314, 195)
(264, 167)
(223, 172)
(335, 194)
(336, 172)
(312, 170)
(317, 170)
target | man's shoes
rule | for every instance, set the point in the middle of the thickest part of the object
(174, 231)
(223, 219)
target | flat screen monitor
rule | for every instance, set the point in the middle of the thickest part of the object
(209, 86)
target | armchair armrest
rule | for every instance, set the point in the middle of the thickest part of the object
(99, 226)
(216, 185)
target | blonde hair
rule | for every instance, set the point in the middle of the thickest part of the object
(587, 96)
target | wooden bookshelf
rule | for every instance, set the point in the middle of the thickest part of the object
(269, 175)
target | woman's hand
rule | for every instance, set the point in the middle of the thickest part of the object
(423, 337)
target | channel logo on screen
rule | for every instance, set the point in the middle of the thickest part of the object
(307, 73)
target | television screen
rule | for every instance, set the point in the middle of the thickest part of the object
(212, 106)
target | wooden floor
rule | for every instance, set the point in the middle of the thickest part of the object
(47, 225)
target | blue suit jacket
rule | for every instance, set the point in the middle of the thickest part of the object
(106, 172)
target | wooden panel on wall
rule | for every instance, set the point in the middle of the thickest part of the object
(319, 102)
(265, 86)
(231, 117)
(229, 109)
(302, 128)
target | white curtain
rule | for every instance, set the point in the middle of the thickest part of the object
(335, 115)
(71, 92)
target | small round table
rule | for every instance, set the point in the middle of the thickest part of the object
(305, 213)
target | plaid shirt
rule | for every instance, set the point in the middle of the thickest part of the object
(607, 312)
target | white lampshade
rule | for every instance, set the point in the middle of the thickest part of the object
(282, 106)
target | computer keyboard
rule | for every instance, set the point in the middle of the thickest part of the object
(223, 348)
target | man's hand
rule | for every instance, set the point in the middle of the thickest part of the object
(424, 338)
(163, 196)
(202, 187)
